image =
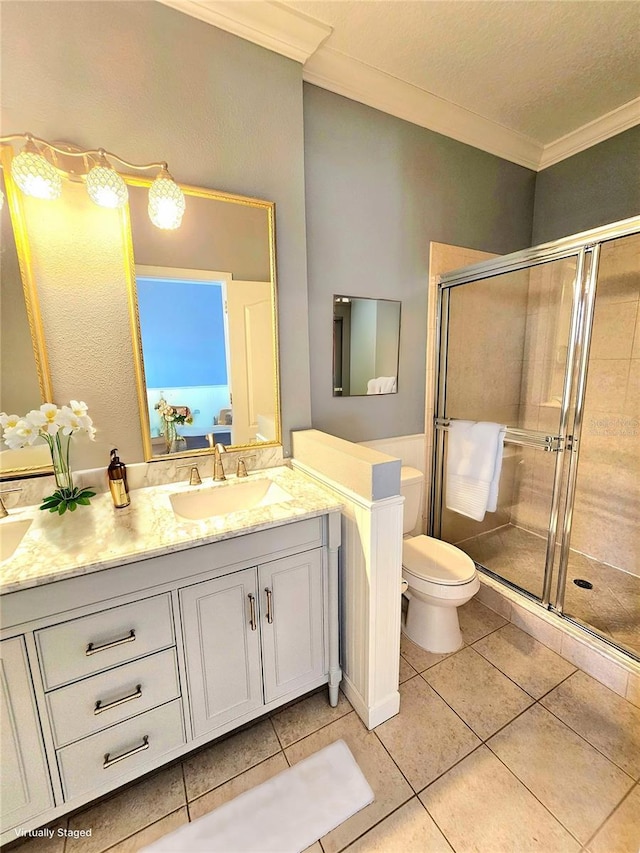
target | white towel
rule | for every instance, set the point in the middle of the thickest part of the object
(474, 463)
(387, 384)
(381, 385)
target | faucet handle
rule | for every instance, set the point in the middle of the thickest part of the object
(194, 476)
(4, 512)
(241, 470)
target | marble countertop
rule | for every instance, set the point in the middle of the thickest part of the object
(100, 537)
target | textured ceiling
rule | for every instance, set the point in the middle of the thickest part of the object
(542, 68)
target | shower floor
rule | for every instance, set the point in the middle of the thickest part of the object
(612, 607)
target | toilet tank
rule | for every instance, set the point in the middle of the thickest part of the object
(411, 482)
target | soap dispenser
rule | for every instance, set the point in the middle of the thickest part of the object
(117, 474)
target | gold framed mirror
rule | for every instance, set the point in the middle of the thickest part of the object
(25, 380)
(203, 313)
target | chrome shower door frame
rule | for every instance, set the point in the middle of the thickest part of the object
(585, 247)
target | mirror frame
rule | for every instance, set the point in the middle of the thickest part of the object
(32, 304)
(134, 318)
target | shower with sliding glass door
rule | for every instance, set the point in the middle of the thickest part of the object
(547, 342)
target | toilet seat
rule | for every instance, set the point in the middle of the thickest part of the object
(438, 562)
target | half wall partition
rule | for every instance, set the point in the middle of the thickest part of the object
(547, 341)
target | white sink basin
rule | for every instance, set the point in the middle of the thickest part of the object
(231, 497)
(11, 535)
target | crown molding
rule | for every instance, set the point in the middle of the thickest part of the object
(267, 24)
(346, 76)
(618, 120)
(301, 38)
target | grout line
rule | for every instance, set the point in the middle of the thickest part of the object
(611, 813)
(235, 776)
(526, 787)
(377, 823)
(319, 729)
(186, 797)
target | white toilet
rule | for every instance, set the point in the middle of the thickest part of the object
(440, 576)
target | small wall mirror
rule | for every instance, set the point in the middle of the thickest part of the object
(366, 342)
(24, 375)
(204, 324)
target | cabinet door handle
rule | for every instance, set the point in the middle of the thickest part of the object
(93, 650)
(252, 607)
(109, 762)
(269, 604)
(100, 708)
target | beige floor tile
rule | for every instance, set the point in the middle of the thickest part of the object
(406, 670)
(54, 844)
(152, 833)
(408, 830)
(607, 721)
(419, 658)
(426, 737)
(533, 666)
(229, 757)
(477, 691)
(579, 786)
(238, 785)
(116, 818)
(308, 716)
(477, 621)
(315, 848)
(389, 787)
(621, 833)
(480, 806)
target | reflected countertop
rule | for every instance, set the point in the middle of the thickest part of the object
(100, 537)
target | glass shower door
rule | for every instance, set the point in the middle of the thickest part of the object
(601, 552)
(506, 341)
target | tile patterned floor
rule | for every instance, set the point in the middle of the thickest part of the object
(502, 747)
(612, 607)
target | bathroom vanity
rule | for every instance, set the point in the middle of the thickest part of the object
(131, 637)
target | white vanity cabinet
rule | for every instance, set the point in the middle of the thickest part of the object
(110, 674)
(25, 785)
(253, 637)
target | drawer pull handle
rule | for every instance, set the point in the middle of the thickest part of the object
(93, 650)
(269, 605)
(252, 609)
(100, 708)
(109, 762)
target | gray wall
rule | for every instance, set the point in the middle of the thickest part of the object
(152, 84)
(378, 190)
(592, 188)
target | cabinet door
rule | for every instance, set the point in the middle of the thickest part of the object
(292, 615)
(220, 627)
(25, 785)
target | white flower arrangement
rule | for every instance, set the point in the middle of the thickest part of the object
(56, 426)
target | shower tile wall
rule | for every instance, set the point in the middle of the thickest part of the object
(607, 506)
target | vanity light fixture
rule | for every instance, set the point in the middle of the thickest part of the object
(104, 184)
(34, 175)
(38, 171)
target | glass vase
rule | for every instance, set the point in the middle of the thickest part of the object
(61, 467)
(170, 436)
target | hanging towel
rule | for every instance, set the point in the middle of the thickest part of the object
(474, 463)
(387, 384)
(372, 386)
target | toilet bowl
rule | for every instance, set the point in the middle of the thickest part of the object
(440, 579)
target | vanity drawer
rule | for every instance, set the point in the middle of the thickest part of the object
(126, 749)
(101, 640)
(110, 697)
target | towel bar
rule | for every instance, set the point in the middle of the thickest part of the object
(522, 437)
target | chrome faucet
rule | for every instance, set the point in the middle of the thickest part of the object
(4, 512)
(218, 468)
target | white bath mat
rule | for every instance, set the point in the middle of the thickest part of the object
(285, 814)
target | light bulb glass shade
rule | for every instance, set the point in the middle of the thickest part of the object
(166, 202)
(36, 176)
(106, 187)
